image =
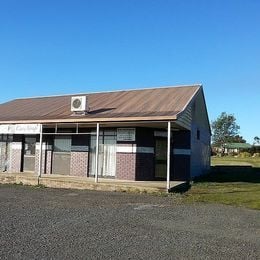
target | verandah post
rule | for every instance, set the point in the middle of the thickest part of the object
(168, 155)
(40, 155)
(97, 151)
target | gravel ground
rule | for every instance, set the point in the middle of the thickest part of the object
(38, 223)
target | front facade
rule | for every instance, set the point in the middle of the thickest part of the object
(139, 135)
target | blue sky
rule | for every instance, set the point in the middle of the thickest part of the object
(56, 47)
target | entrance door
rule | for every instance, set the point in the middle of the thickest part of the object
(29, 154)
(161, 158)
(107, 154)
(61, 155)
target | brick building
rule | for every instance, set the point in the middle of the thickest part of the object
(148, 134)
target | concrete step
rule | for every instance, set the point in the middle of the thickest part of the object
(69, 182)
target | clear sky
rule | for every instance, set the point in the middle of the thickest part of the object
(59, 46)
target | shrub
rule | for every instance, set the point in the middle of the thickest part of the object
(244, 155)
(256, 155)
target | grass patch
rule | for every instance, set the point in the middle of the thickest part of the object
(235, 161)
(232, 181)
(235, 194)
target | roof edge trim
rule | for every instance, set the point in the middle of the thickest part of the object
(189, 101)
(94, 120)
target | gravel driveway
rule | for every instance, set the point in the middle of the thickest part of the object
(38, 223)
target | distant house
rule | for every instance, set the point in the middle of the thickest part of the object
(256, 148)
(236, 147)
(147, 134)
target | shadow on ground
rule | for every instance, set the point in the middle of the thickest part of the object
(181, 188)
(231, 174)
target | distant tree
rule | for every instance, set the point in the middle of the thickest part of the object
(225, 130)
(237, 139)
(257, 140)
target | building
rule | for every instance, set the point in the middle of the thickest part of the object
(236, 148)
(147, 134)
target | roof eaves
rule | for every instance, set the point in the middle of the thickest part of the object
(92, 120)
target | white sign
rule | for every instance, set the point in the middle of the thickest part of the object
(6, 129)
(125, 134)
(20, 129)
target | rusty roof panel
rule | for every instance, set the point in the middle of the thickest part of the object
(131, 104)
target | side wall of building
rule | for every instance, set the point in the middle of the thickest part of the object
(200, 137)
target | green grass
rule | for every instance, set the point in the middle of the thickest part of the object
(233, 181)
(231, 160)
(235, 194)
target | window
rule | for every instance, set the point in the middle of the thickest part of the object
(62, 144)
(198, 134)
(29, 145)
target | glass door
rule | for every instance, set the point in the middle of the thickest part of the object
(61, 155)
(107, 154)
(29, 153)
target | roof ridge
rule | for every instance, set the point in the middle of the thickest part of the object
(109, 91)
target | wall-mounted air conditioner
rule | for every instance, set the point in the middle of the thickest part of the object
(79, 104)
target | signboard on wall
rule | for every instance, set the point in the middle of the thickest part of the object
(125, 134)
(20, 129)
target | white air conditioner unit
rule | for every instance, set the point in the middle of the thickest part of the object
(79, 104)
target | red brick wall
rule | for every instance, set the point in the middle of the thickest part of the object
(125, 166)
(79, 164)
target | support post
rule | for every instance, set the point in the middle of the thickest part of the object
(97, 151)
(168, 155)
(40, 155)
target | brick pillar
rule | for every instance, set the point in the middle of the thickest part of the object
(15, 157)
(48, 162)
(37, 157)
(46, 158)
(79, 163)
(2, 156)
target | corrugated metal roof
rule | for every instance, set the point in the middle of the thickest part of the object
(144, 104)
(238, 145)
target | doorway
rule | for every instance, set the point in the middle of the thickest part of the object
(107, 154)
(29, 153)
(161, 158)
(61, 155)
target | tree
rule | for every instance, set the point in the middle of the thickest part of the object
(257, 140)
(237, 139)
(225, 130)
